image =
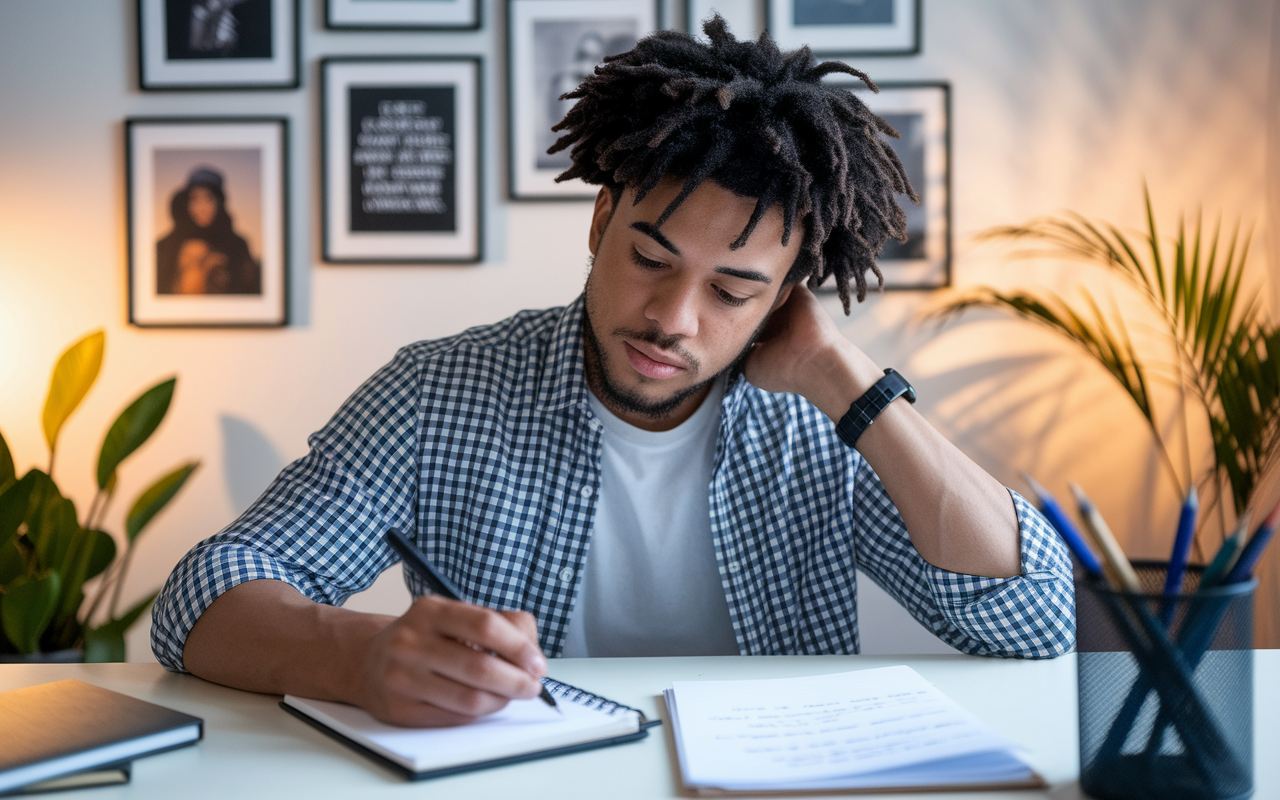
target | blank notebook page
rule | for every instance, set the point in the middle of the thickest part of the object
(523, 726)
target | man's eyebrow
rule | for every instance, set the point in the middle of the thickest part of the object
(745, 274)
(650, 230)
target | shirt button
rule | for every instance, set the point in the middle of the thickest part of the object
(734, 566)
(566, 575)
(586, 492)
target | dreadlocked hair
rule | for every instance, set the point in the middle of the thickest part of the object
(758, 122)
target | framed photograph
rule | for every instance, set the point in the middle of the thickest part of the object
(208, 221)
(846, 27)
(552, 46)
(921, 113)
(421, 15)
(218, 44)
(401, 160)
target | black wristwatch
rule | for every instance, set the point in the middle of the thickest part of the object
(876, 399)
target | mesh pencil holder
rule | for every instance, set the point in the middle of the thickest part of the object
(1166, 689)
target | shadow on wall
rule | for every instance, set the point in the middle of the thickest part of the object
(249, 460)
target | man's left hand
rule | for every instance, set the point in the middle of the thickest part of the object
(801, 350)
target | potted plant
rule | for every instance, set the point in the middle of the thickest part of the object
(1226, 352)
(48, 552)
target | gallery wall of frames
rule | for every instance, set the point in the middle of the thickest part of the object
(400, 136)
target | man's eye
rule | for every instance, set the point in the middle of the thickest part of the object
(729, 298)
(647, 263)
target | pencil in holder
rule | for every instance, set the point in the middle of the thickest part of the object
(1166, 689)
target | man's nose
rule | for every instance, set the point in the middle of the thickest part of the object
(673, 307)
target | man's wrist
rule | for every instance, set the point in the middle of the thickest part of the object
(844, 373)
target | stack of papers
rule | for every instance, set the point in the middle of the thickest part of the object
(872, 729)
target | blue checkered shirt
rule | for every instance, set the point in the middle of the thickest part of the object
(484, 448)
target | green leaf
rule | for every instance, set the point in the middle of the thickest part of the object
(155, 498)
(44, 509)
(8, 474)
(73, 376)
(102, 551)
(26, 609)
(51, 522)
(133, 427)
(106, 642)
(89, 554)
(12, 564)
(14, 502)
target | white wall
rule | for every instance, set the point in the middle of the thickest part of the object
(1057, 104)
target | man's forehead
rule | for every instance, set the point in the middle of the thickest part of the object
(714, 204)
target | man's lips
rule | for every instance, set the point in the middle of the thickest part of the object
(649, 366)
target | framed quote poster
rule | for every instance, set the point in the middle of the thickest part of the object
(848, 27)
(207, 221)
(218, 44)
(920, 112)
(422, 15)
(552, 46)
(402, 160)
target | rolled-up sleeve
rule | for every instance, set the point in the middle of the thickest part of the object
(318, 526)
(1031, 615)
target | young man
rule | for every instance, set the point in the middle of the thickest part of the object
(655, 468)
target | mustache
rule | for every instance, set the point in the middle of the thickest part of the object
(670, 344)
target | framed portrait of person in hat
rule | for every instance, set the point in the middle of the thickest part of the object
(207, 222)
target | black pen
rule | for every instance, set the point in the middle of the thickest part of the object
(438, 583)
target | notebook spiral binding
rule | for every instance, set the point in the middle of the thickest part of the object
(571, 693)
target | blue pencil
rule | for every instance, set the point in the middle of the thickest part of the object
(1058, 519)
(1181, 552)
(1252, 551)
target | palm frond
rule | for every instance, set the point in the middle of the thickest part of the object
(1227, 356)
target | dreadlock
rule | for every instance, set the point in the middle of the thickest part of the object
(758, 122)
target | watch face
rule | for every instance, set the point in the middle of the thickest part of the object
(909, 391)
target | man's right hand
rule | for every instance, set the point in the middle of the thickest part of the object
(431, 666)
(446, 662)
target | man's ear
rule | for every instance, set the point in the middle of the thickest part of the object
(600, 218)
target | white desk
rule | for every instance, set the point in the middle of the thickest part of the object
(253, 749)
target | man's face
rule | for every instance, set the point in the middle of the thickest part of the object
(669, 310)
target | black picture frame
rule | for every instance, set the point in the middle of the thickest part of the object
(545, 39)
(421, 196)
(921, 113)
(255, 47)
(403, 15)
(834, 27)
(231, 271)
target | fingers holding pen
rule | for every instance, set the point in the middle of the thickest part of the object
(445, 662)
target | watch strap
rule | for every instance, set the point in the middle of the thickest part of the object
(867, 407)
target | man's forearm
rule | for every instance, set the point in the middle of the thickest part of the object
(959, 518)
(264, 636)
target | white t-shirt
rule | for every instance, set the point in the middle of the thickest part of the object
(651, 586)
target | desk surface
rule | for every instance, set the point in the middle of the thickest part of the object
(254, 749)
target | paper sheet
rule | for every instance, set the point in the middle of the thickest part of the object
(801, 730)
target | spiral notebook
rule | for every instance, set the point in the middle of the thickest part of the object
(523, 731)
